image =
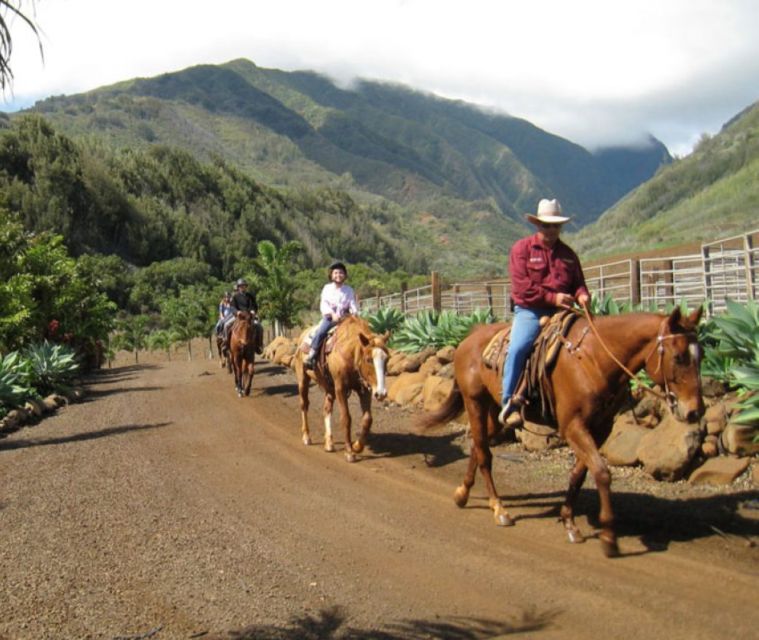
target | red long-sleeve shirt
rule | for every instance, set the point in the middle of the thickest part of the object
(539, 273)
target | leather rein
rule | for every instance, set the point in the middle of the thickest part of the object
(669, 397)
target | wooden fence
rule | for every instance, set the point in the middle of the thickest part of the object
(724, 269)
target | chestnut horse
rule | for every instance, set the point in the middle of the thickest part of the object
(357, 363)
(588, 385)
(242, 351)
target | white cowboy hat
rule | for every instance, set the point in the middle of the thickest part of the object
(549, 211)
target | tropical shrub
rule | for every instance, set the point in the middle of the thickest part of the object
(51, 366)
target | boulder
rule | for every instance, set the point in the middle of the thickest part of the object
(537, 437)
(410, 394)
(715, 418)
(430, 366)
(399, 385)
(435, 391)
(271, 348)
(738, 439)
(49, 404)
(719, 471)
(396, 363)
(35, 407)
(621, 447)
(667, 451)
(445, 355)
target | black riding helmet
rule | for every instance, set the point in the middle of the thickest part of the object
(241, 282)
(336, 265)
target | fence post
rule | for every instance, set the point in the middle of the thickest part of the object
(635, 281)
(436, 297)
(748, 260)
(456, 291)
(489, 294)
(404, 291)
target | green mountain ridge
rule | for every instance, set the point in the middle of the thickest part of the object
(710, 194)
(461, 176)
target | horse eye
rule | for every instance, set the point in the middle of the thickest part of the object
(682, 358)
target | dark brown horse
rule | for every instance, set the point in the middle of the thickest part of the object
(223, 349)
(242, 351)
(588, 387)
(356, 363)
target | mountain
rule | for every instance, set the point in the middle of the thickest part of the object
(710, 194)
(461, 175)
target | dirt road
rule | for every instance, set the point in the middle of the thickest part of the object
(165, 507)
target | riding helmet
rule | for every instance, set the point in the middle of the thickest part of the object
(242, 282)
(336, 265)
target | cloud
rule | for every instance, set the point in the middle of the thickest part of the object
(593, 71)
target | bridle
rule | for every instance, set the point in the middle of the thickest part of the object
(668, 396)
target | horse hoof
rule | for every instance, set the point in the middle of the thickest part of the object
(461, 497)
(350, 457)
(307, 440)
(504, 520)
(610, 548)
(357, 446)
(575, 537)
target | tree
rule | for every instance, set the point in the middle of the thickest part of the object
(6, 41)
(277, 287)
(186, 315)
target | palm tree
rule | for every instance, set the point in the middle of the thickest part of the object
(6, 42)
(277, 288)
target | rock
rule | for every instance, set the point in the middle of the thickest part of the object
(711, 388)
(719, 471)
(710, 446)
(715, 418)
(755, 474)
(435, 391)
(667, 451)
(49, 404)
(271, 348)
(283, 350)
(537, 437)
(396, 387)
(738, 439)
(16, 417)
(396, 364)
(621, 447)
(35, 407)
(430, 366)
(445, 355)
(446, 371)
(409, 394)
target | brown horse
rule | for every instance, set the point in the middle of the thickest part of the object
(588, 387)
(357, 363)
(242, 351)
(223, 349)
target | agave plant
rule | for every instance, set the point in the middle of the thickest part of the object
(385, 319)
(51, 366)
(431, 329)
(14, 386)
(732, 354)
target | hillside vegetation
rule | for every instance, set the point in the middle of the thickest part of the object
(710, 194)
(460, 178)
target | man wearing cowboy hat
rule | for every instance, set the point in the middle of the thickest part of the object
(545, 276)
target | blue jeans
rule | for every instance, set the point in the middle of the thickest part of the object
(324, 326)
(524, 329)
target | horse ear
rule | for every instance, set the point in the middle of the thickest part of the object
(364, 339)
(695, 316)
(673, 322)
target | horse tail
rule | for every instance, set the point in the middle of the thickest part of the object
(451, 407)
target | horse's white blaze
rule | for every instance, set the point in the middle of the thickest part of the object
(379, 357)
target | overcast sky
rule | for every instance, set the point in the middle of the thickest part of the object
(596, 72)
